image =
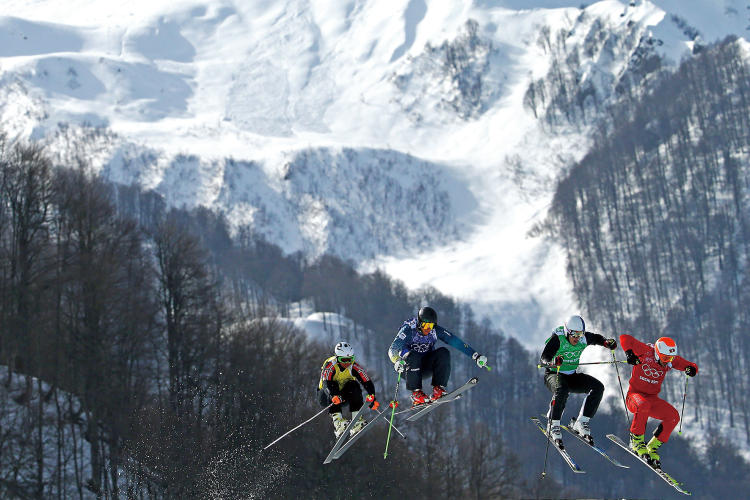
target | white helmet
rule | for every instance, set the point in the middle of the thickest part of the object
(343, 349)
(575, 324)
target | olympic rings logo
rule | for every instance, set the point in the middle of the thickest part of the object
(569, 355)
(652, 372)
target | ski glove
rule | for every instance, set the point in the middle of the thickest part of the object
(400, 366)
(610, 344)
(374, 404)
(558, 361)
(480, 359)
(690, 371)
(632, 359)
(337, 400)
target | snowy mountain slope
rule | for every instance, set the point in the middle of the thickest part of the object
(346, 127)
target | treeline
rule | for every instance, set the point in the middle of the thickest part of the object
(142, 360)
(655, 223)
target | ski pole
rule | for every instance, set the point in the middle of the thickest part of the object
(394, 427)
(619, 381)
(393, 410)
(593, 363)
(684, 395)
(549, 426)
(300, 425)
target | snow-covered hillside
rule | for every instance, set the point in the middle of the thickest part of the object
(393, 134)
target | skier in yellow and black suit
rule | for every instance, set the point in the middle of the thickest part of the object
(339, 384)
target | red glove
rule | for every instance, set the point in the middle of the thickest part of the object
(336, 400)
(393, 404)
(558, 361)
(374, 404)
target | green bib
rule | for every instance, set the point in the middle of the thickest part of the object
(571, 353)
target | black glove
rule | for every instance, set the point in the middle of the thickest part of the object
(690, 371)
(632, 359)
(557, 361)
(610, 344)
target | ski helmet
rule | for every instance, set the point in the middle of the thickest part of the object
(343, 349)
(666, 349)
(427, 315)
(575, 325)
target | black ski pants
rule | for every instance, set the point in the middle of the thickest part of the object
(421, 365)
(561, 385)
(351, 395)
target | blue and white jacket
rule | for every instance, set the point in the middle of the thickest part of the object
(410, 339)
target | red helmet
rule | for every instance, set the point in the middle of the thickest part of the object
(666, 349)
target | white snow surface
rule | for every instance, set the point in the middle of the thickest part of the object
(333, 126)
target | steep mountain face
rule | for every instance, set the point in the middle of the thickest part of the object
(349, 128)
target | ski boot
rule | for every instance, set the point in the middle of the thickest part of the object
(555, 433)
(638, 446)
(438, 391)
(358, 426)
(419, 398)
(581, 427)
(339, 424)
(654, 458)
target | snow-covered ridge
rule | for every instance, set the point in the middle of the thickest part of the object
(344, 201)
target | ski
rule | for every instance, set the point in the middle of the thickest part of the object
(659, 472)
(595, 448)
(358, 435)
(568, 459)
(420, 407)
(451, 396)
(341, 439)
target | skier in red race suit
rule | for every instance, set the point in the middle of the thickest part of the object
(651, 362)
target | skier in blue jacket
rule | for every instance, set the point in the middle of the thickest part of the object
(413, 351)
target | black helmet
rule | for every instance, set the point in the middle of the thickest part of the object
(427, 315)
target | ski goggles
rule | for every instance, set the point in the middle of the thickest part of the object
(576, 334)
(664, 358)
(427, 326)
(345, 359)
